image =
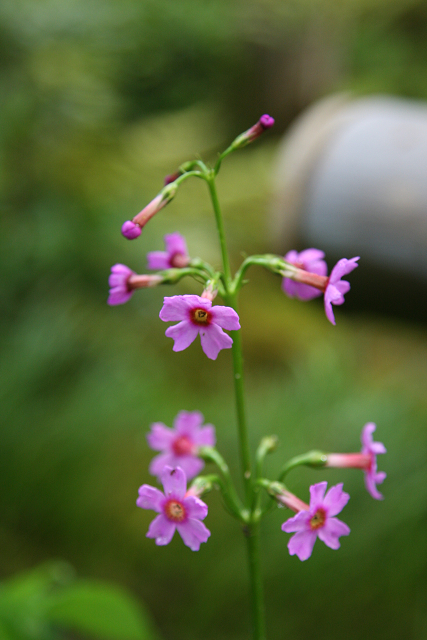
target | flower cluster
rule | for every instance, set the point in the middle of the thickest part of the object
(183, 449)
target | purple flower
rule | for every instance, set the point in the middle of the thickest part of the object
(318, 521)
(180, 445)
(175, 509)
(366, 460)
(176, 254)
(336, 288)
(196, 315)
(372, 449)
(123, 281)
(308, 260)
(120, 292)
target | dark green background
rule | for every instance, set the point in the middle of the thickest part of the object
(99, 100)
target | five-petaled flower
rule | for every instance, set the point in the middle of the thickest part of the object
(180, 445)
(333, 287)
(123, 281)
(317, 520)
(196, 315)
(365, 460)
(176, 510)
(308, 260)
(176, 254)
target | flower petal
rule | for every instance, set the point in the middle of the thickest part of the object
(317, 491)
(175, 243)
(301, 544)
(205, 436)
(332, 530)
(161, 437)
(183, 334)
(193, 532)
(225, 317)
(370, 484)
(150, 498)
(336, 499)
(299, 522)
(213, 339)
(191, 465)
(342, 268)
(159, 462)
(118, 295)
(161, 529)
(176, 308)
(158, 260)
(174, 482)
(195, 508)
(188, 422)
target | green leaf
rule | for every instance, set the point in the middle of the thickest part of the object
(102, 610)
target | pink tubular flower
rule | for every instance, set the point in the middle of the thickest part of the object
(123, 281)
(196, 315)
(333, 287)
(317, 520)
(308, 260)
(366, 460)
(180, 445)
(175, 509)
(176, 254)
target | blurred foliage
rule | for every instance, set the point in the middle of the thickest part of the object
(99, 101)
(38, 604)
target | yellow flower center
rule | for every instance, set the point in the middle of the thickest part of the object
(318, 520)
(200, 316)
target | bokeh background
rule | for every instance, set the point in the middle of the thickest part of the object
(99, 100)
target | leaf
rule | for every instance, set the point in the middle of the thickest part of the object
(102, 610)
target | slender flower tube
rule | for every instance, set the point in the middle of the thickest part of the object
(315, 520)
(175, 509)
(175, 256)
(366, 460)
(264, 123)
(180, 446)
(196, 315)
(123, 281)
(308, 260)
(131, 229)
(333, 287)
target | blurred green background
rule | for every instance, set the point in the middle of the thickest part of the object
(99, 100)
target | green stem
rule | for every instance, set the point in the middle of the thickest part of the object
(252, 528)
(257, 595)
(220, 228)
(310, 459)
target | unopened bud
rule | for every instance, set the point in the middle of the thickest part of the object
(264, 123)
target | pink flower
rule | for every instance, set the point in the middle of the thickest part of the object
(123, 281)
(336, 288)
(333, 287)
(308, 260)
(196, 315)
(366, 460)
(317, 520)
(176, 254)
(180, 445)
(175, 509)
